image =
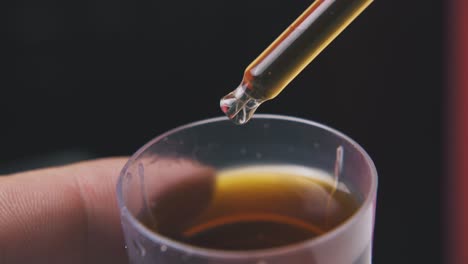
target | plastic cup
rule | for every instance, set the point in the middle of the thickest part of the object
(267, 139)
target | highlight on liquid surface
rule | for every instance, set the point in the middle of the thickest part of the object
(255, 207)
(289, 54)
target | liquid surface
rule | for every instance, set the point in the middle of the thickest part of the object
(256, 207)
(289, 54)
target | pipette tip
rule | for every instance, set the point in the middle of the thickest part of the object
(239, 106)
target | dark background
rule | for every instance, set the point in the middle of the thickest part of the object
(87, 79)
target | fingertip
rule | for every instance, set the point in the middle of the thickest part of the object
(64, 214)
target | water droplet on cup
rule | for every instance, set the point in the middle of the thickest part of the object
(163, 248)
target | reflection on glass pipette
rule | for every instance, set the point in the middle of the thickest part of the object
(289, 54)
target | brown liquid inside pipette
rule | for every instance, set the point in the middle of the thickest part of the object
(289, 54)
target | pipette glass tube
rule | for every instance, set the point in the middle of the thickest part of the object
(289, 54)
